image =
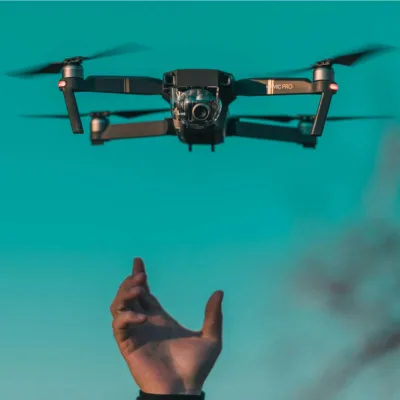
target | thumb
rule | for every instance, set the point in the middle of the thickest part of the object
(212, 326)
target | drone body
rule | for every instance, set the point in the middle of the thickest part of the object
(199, 101)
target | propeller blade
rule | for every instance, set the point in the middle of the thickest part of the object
(53, 68)
(122, 114)
(51, 116)
(277, 118)
(138, 113)
(359, 118)
(350, 59)
(117, 51)
(309, 118)
(347, 60)
(56, 67)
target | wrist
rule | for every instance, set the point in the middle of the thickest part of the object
(172, 390)
(191, 392)
(183, 392)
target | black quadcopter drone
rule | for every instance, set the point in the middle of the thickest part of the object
(199, 101)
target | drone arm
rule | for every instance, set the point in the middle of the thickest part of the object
(73, 111)
(322, 113)
(139, 85)
(287, 86)
(273, 87)
(134, 131)
(253, 130)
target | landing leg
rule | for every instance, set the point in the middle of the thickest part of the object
(190, 148)
(213, 148)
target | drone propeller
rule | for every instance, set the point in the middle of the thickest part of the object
(122, 114)
(56, 67)
(307, 118)
(347, 60)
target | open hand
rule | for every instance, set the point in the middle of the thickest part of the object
(163, 356)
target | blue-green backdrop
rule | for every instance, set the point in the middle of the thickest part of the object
(72, 216)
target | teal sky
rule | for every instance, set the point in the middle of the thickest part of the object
(73, 216)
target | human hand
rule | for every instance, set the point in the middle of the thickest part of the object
(163, 356)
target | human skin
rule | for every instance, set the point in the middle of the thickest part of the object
(163, 356)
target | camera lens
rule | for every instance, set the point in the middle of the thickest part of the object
(201, 112)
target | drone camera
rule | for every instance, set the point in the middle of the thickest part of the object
(196, 108)
(201, 112)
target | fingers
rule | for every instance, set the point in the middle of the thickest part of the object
(123, 321)
(125, 318)
(149, 302)
(212, 326)
(133, 280)
(129, 291)
(124, 296)
(139, 268)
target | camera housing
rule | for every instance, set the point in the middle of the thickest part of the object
(196, 108)
(199, 101)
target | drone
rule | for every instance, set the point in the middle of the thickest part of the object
(199, 101)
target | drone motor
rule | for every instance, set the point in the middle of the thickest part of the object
(305, 127)
(72, 70)
(98, 124)
(323, 74)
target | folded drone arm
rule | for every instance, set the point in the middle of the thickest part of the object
(289, 86)
(140, 85)
(134, 131)
(274, 86)
(254, 130)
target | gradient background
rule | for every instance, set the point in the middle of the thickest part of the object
(73, 216)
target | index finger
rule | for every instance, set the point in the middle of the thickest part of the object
(138, 268)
